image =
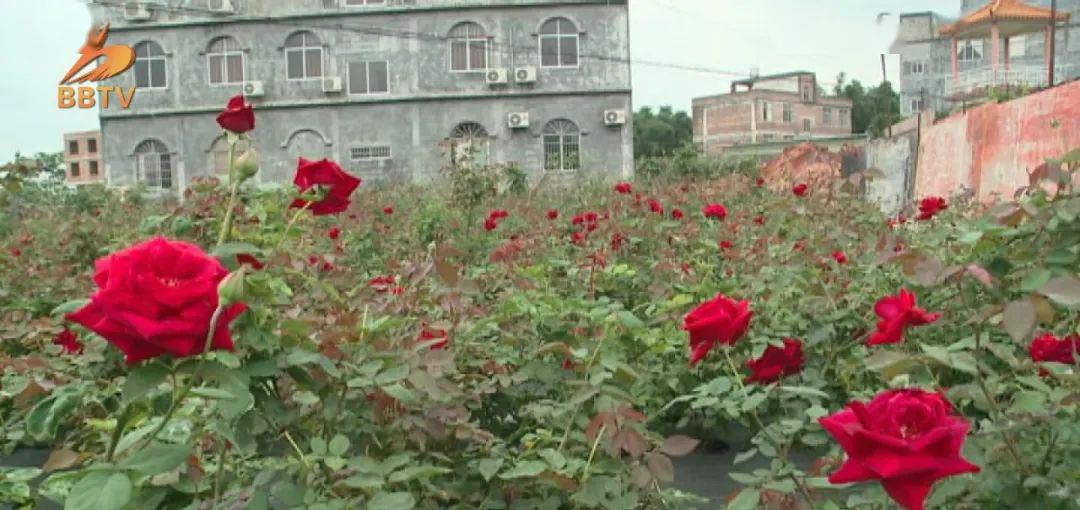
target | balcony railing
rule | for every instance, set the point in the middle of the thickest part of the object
(1017, 76)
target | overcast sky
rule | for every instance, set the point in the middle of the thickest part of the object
(41, 38)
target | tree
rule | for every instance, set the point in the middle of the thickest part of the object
(661, 133)
(873, 110)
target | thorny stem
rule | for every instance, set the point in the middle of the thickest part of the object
(592, 453)
(292, 221)
(222, 452)
(297, 449)
(234, 188)
(577, 410)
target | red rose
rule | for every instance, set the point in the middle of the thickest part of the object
(759, 220)
(388, 210)
(800, 189)
(552, 214)
(578, 238)
(432, 334)
(333, 233)
(68, 341)
(1051, 348)
(623, 188)
(617, 240)
(715, 211)
(930, 206)
(397, 291)
(490, 224)
(237, 117)
(908, 439)
(760, 181)
(776, 362)
(839, 257)
(381, 283)
(654, 206)
(15, 252)
(899, 220)
(591, 217)
(339, 186)
(897, 314)
(677, 214)
(726, 245)
(248, 260)
(721, 320)
(498, 214)
(157, 298)
(578, 219)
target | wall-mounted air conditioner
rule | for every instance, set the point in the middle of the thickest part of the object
(497, 77)
(221, 6)
(254, 89)
(525, 75)
(331, 84)
(518, 120)
(137, 12)
(614, 117)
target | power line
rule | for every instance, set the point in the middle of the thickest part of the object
(427, 37)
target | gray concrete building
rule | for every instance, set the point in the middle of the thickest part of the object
(925, 39)
(394, 90)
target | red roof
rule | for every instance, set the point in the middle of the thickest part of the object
(1003, 10)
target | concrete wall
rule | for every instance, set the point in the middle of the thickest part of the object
(894, 157)
(991, 149)
(426, 99)
(91, 169)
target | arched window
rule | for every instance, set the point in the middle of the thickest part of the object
(562, 144)
(219, 154)
(308, 144)
(468, 47)
(558, 43)
(154, 164)
(303, 56)
(150, 66)
(470, 141)
(226, 61)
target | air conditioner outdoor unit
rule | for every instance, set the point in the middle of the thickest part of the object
(518, 120)
(331, 84)
(137, 12)
(254, 89)
(222, 6)
(497, 77)
(614, 117)
(525, 75)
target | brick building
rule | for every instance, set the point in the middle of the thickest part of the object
(788, 106)
(82, 158)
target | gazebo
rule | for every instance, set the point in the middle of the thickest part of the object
(999, 20)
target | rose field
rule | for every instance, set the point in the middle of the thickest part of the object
(493, 342)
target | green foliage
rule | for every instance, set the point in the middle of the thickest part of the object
(662, 133)
(874, 109)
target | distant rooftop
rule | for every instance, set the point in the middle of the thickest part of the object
(749, 82)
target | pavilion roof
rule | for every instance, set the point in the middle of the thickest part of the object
(1003, 10)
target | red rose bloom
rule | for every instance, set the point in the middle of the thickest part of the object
(238, 117)
(578, 238)
(654, 206)
(68, 341)
(498, 214)
(388, 210)
(333, 233)
(327, 174)
(1051, 348)
(839, 257)
(677, 214)
(381, 283)
(432, 334)
(714, 211)
(552, 214)
(721, 320)
(246, 259)
(908, 439)
(897, 314)
(759, 220)
(800, 189)
(930, 206)
(490, 224)
(157, 298)
(776, 362)
(591, 217)
(726, 245)
(15, 252)
(623, 188)
(899, 220)
(617, 240)
(760, 181)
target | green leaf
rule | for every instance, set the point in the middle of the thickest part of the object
(629, 320)
(68, 307)
(805, 391)
(157, 458)
(100, 490)
(1032, 402)
(553, 458)
(227, 253)
(488, 468)
(339, 444)
(1064, 290)
(364, 481)
(392, 375)
(417, 472)
(747, 499)
(318, 446)
(43, 421)
(889, 363)
(525, 469)
(142, 380)
(392, 501)
(678, 446)
(213, 393)
(1035, 279)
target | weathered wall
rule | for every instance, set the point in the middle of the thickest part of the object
(895, 157)
(991, 148)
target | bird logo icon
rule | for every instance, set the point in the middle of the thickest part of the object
(113, 59)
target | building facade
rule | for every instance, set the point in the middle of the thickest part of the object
(776, 108)
(82, 158)
(932, 79)
(391, 89)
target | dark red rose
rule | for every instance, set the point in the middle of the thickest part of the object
(552, 214)
(617, 240)
(897, 314)
(726, 245)
(427, 335)
(578, 238)
(578, 219)
(591, 217)
(326, 174)
(908, 439)
(498, 214)
(930, 206)
(654, 206)
(15, 252)
(381, 283)
(157, 298)
(333, 233)
(237, 117)
(759, 220)
(839, 257)
(568, 364)
(1048, 347)
(68, 341)
(760, 181)
(714, 211)
(721, 320)
(246, 259)
(623, 188)
(490, 224)
(776, 362)
(800, 190)
(388, 210)
(397, 291)
(677, 214)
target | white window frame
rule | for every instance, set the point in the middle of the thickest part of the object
(767, 112)
(469, 38)
(564, 131)
(478, 138)
(367, 66)
(965, 51)
(163, 58)
(826, 115)
(303, 49)
(370, 149)
(559, 35)
(153, 149)
(224, 56)
(843, 115)
(788, 113)
(807, 125)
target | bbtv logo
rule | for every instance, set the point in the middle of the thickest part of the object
(111, 61)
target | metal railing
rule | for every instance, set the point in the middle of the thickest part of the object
(1016, 76)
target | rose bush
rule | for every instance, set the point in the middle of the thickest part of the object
(415, 360)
